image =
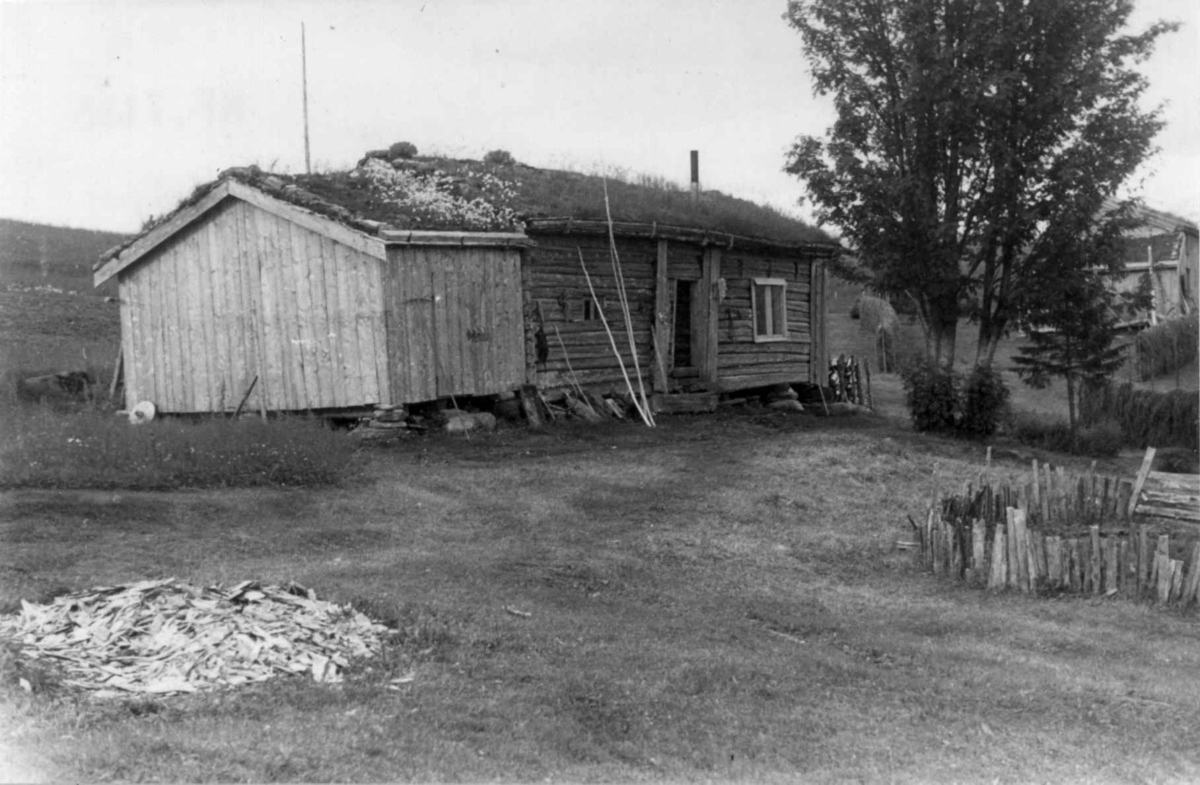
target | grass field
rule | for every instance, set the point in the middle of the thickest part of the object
(717, 599)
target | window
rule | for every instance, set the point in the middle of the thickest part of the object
(768, 300)
(591, 313)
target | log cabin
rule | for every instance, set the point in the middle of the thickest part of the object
(417, 279)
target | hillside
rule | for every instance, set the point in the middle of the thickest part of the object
(38, 255)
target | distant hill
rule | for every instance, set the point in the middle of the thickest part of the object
(37, 255)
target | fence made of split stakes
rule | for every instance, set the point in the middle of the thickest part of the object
(1058, 533)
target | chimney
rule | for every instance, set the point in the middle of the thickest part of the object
(695, 176)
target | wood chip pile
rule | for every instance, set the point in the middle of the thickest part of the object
(165, 636)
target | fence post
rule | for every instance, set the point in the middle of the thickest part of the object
(1143, 558)
(1192, 587)
(1162, 567)
(978, 545)
(999, 573)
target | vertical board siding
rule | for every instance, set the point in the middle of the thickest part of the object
(244, 265)
(170, 312)
(128, 355)
(347, 324)
(332, 347)
(243, 294)
(287, 277)
(368, 351)
(454, 322)
(260, 248)
(373, 301)
(195, 381)
(211, 388)
(223, 319)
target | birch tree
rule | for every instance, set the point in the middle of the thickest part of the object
(968, 132)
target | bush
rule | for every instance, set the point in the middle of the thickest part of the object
(1100, 441)
(985, 401)
(932, 395)
(402, 150)
(1146, 417)
(96, 450)
(499, 158)
(1167, 347)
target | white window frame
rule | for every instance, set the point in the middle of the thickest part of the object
(776, 322)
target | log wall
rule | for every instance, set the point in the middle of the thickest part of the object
(241, 294)
(742, 362)
(557, 307)
(720, 332)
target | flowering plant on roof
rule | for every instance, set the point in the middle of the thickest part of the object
(440, 200)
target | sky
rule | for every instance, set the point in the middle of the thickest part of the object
(111, 112)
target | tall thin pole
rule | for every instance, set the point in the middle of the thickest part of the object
(304, 76)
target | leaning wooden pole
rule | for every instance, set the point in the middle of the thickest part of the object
(621, 295)
(613, 342)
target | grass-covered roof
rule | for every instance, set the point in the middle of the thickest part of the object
(435, 193)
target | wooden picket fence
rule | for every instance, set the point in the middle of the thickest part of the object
(1057, 533)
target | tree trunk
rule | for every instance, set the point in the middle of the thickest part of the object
(1071, 409)
(944, 329)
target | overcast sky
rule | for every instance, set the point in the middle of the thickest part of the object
(113, 111)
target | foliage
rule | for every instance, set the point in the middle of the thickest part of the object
(436, 200)
(1145, 417)
(985, 401)
(971, 138)
(499, 158)
(933, 396)
(1103, 440)
(1167, 346)
(938, 400)
(403, 150)
(91, 449)
(1076, 318)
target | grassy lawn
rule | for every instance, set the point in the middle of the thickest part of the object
(717, 599)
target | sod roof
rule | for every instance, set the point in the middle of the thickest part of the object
(443, 194)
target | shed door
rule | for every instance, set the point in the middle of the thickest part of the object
(454, 322)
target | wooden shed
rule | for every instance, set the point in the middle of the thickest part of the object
(333, 293)
(242, 291)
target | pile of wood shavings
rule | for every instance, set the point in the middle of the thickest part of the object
(165, 636)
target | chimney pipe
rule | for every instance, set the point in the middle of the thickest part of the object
(695, 176)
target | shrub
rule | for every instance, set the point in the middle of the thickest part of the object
(1100, 441)
(95, 450)
(933, 396)
(499, 158)
(402, 150)
(985, 400)
(1167, 347)
(1145, 417)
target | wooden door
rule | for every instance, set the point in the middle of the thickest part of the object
(454, 322)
